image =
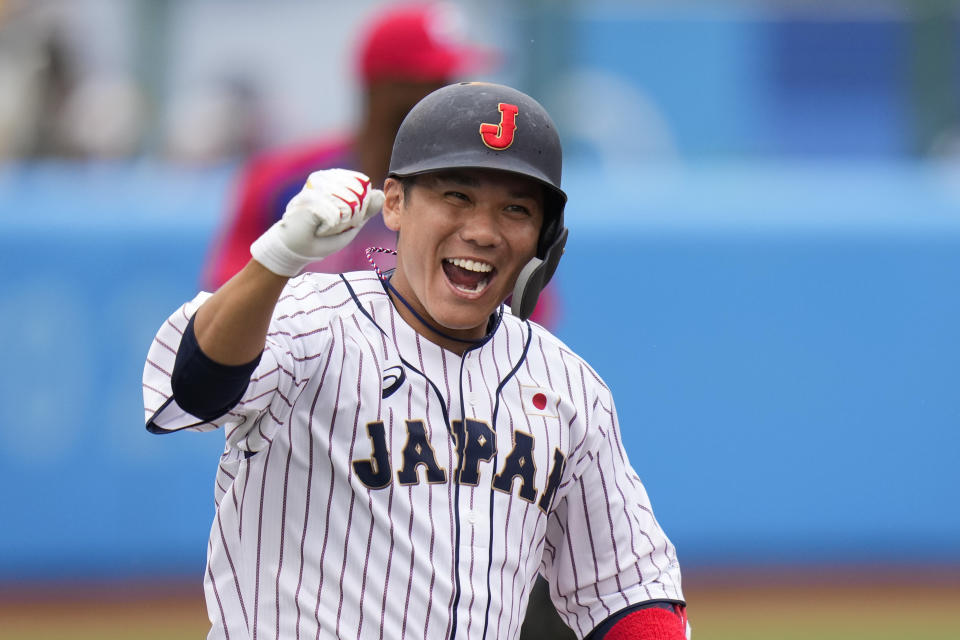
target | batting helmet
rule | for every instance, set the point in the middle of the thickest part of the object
(478, 125)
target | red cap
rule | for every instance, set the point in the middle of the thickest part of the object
(422, 41)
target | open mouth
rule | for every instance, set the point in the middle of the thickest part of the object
(469, 276)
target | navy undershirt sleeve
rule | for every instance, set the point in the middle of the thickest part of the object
(202, 387)
(606, 625)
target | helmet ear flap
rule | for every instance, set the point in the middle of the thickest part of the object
(552, 220)
(534, 277)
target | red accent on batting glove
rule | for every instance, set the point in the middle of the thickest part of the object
(653, 623)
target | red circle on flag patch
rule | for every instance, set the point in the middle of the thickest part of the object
(539, 401)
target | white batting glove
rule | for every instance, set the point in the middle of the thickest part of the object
(320, 220)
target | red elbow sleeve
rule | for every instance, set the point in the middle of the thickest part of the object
(653, 623)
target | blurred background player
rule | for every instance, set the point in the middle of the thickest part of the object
(405, 52)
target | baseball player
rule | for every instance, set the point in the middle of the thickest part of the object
(405, 453)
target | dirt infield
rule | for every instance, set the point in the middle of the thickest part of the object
(868, 603)
(784, 604)
(168, 610)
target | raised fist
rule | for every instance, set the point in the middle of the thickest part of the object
(323, 218)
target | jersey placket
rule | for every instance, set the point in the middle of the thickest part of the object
(476, 442)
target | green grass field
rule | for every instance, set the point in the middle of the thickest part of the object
(774, 607)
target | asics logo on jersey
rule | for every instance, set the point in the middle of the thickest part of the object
(393, 379)
(500, 136)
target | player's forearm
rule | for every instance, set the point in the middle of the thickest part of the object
(231, 326)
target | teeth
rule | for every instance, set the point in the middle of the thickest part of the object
(480, 287)
(471, 265)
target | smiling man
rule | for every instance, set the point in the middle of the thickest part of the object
(404, 452)
(469, 233)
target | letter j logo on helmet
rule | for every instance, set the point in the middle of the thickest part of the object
(500, 136)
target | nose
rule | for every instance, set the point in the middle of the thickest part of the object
(481, 227)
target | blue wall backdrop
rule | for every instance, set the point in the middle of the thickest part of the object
(93, 260)
(781, 342)
(784, 360)
(742, 78)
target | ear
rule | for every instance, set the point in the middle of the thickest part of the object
(392, 204)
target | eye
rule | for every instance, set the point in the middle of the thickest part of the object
(518, 209)
(456, 198)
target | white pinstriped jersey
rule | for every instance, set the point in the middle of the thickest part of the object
(355, 501)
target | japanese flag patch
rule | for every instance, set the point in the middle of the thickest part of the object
(538, 401)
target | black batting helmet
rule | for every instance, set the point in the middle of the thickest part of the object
(479, 125)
